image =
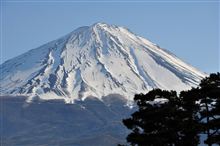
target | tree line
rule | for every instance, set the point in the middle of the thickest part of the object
(165, 118)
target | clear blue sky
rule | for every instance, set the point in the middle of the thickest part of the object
(188, 29)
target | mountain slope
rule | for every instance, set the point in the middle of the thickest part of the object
(52, 123)
(95, 61)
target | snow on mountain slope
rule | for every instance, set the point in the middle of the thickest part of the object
(95, 61)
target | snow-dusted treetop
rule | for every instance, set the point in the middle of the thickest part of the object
(95, 60)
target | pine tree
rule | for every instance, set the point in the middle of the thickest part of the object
(210, 108)
(157, 122)
(165, 119)
(190, 119)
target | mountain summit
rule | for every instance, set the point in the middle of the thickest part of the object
(95, 60)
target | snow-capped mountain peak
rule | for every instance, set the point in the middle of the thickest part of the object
(96, 60)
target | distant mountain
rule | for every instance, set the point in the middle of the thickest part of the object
(98, 68)
(95, 60)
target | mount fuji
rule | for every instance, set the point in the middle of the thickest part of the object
(97, 60)
(97, 69)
